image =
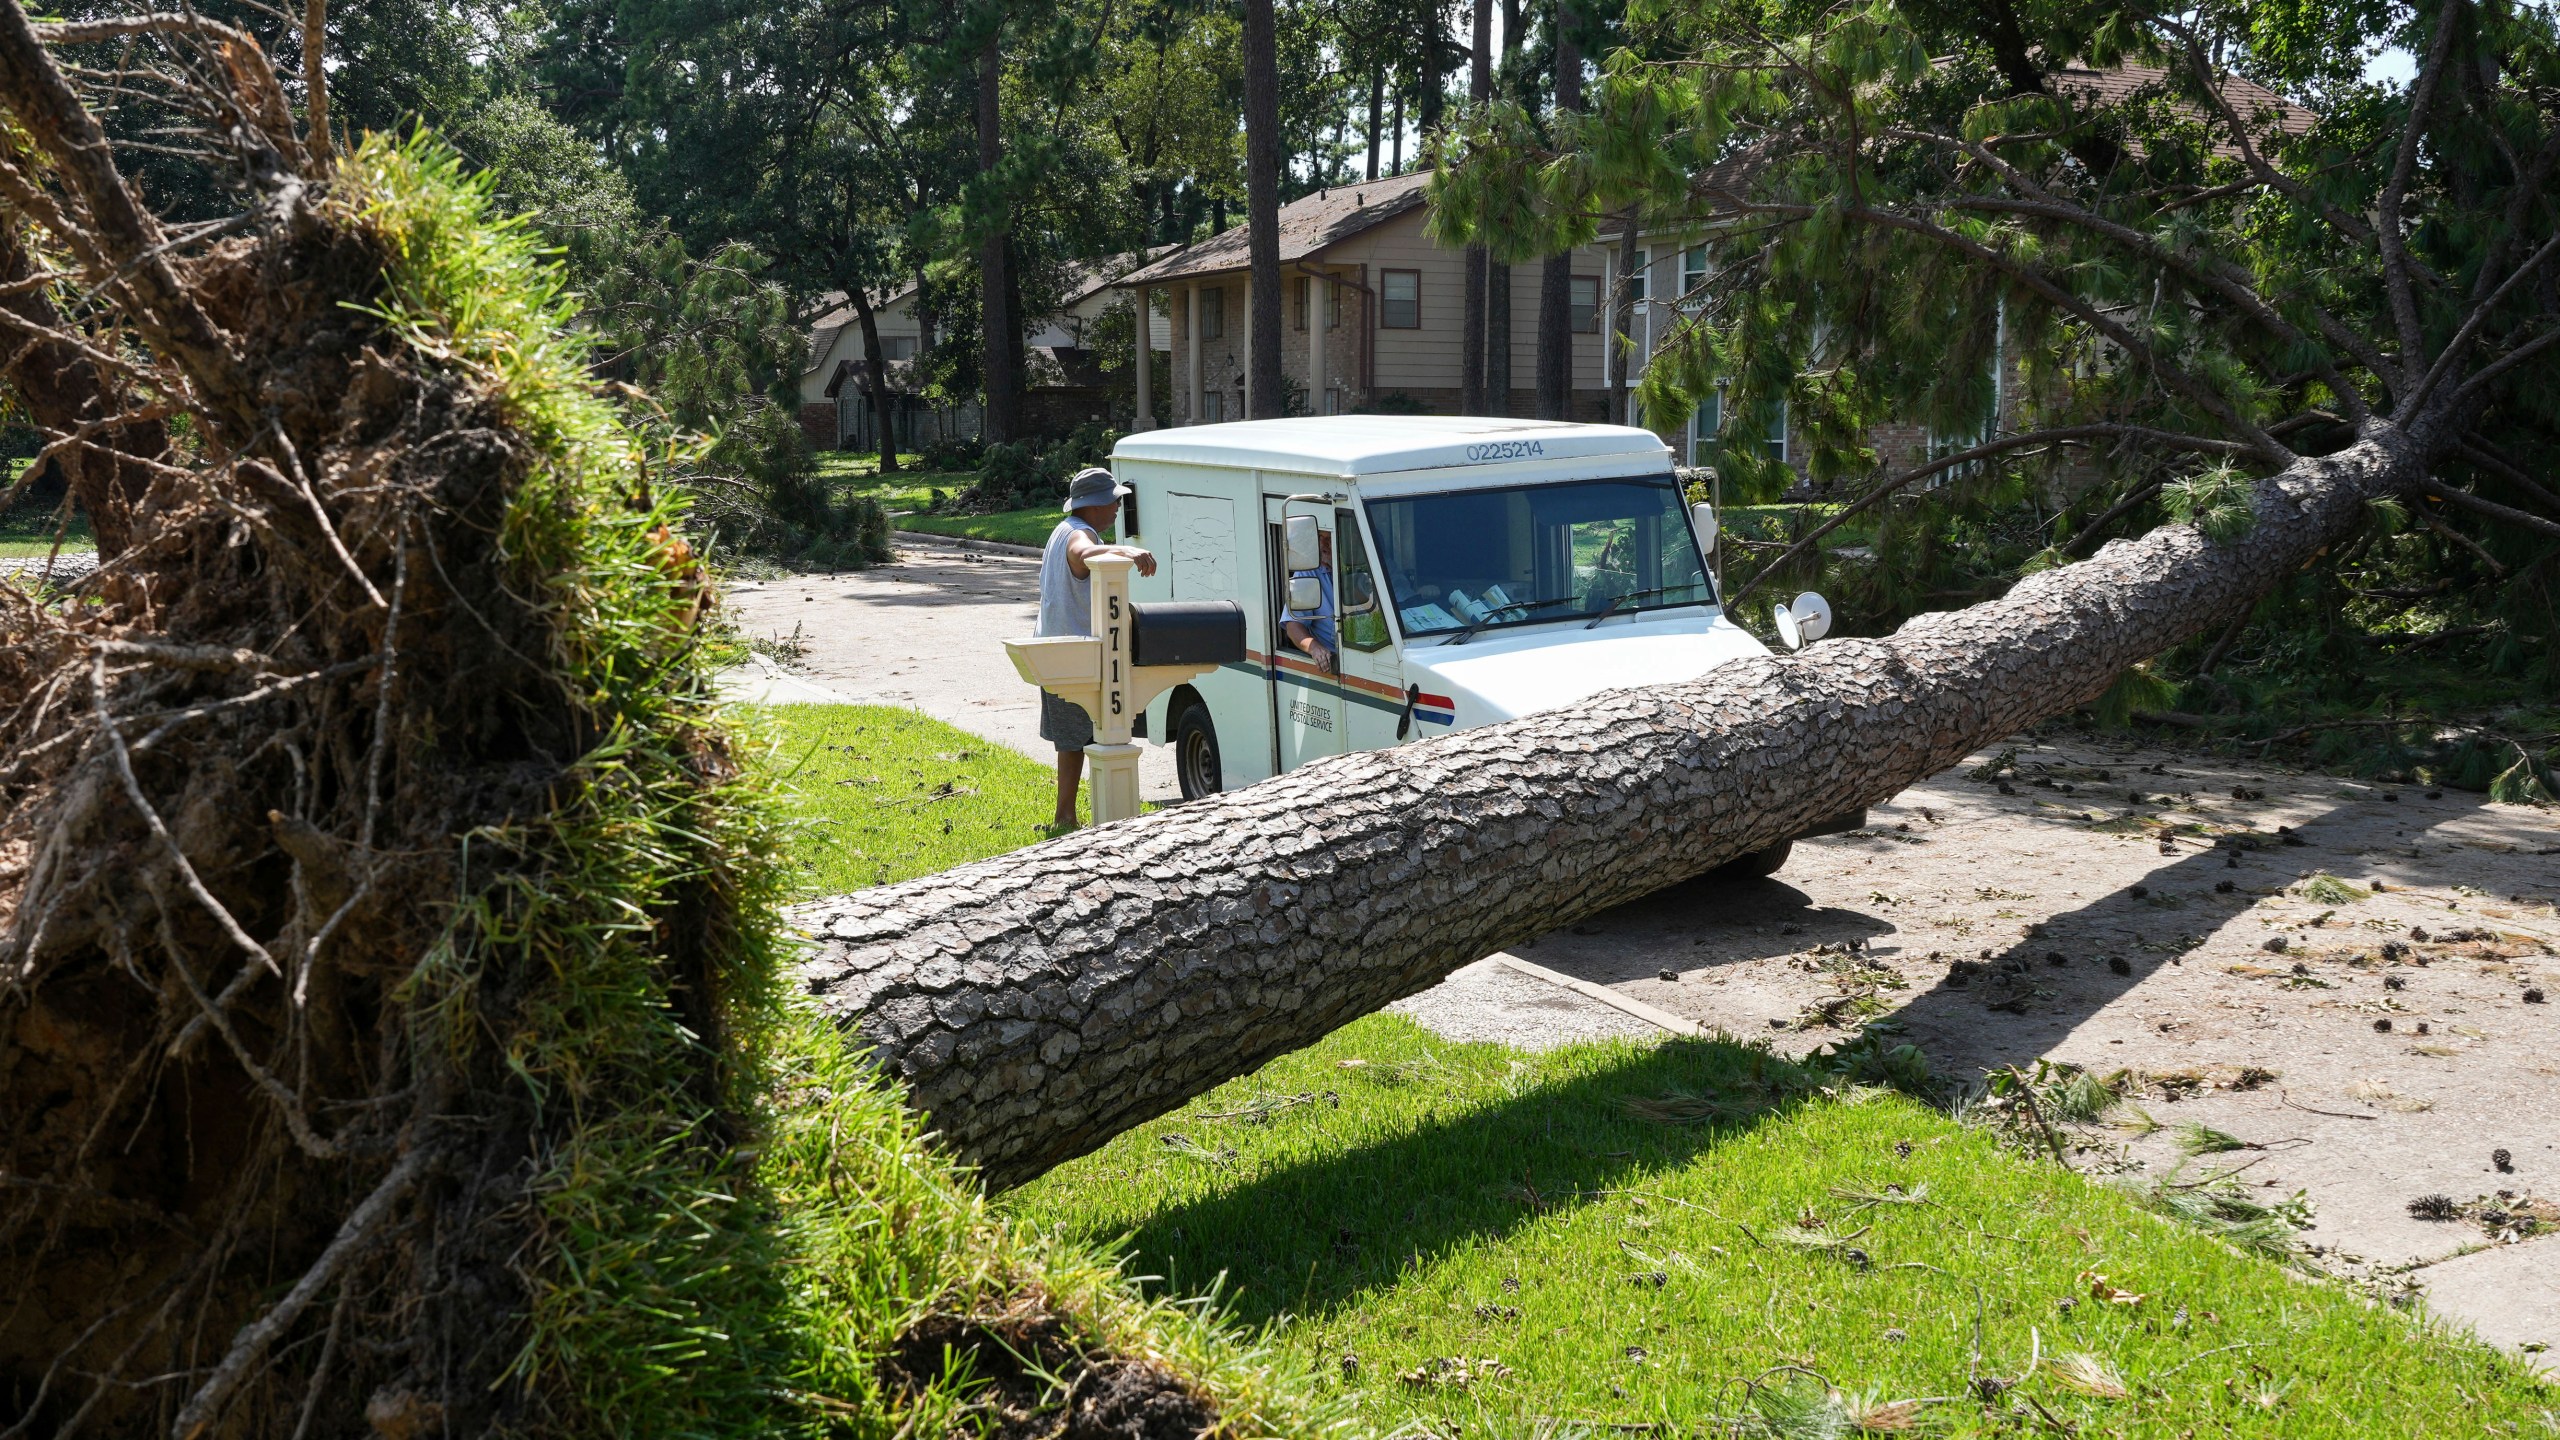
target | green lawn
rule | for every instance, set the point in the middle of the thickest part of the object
(905, 494)
(28, 527)
(1013, 527)
(886, 794)
(1474, 1239)
(1405, 1210)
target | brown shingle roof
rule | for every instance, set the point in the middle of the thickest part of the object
(2261, 109)
(1307, 225)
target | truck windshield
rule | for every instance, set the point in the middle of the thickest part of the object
(1522, 555)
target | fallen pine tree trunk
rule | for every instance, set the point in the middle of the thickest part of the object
(1039, 1003)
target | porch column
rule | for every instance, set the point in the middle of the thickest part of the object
(1145, 342)
(1320, 290)
(1608, 317)
(1193, 417)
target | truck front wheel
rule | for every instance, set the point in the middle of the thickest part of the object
(1195, 753)
(1759, 864)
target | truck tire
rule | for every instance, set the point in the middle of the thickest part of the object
(1759, 864)
(1195, 753)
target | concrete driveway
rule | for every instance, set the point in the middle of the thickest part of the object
(927, 633)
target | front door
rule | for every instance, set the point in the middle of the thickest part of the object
(1306, 701)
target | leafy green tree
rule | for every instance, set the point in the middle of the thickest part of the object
(2109, 267)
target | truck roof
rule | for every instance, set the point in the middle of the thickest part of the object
(1351, 446)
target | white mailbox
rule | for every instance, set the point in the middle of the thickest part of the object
(1133, 655)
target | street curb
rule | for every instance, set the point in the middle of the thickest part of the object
(1602, 993)
(962, 542)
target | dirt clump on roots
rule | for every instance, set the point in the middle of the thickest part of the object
(1020, 1376)
(288, 788)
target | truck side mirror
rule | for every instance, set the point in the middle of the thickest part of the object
(1803, 620)
(1359, 592)
(1306, 593)
(1305, 553)
(1702, 518)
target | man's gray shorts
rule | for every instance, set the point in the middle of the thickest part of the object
(1064, 724)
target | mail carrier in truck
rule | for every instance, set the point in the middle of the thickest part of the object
(1472, 570)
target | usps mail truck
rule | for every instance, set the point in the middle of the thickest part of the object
(1473, 570)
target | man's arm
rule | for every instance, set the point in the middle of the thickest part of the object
(1082, 547)
(1304, 637)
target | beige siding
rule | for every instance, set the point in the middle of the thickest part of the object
(896, 319)
(1427, 359)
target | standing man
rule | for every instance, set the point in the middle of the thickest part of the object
(1066, 608)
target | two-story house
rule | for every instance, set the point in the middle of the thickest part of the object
(1385, 300)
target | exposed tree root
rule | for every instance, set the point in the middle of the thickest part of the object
(266, 1147)
(1023, 1378)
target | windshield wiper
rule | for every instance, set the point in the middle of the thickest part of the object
(1468, 631)
(1617, 600)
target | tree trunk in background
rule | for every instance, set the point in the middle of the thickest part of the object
(1039, 1003)
(1622, 322)
(64, 390)
(1431, 97)
(1377, 102)
(1555, 297)
(1396, 161)
(1479, 260)
(875, 378)
(1497, 290)
(1262, 207)
(924, 316)
(1000, 340)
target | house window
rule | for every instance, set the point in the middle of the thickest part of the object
(1400, 299)
(898, 347)
(1693, 272)
(1332, 302)
(1213, 313)
(1708, 420)
(1586, 304)
(1704, 422)
(1213, 406)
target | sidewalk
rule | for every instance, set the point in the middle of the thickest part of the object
(925, 632)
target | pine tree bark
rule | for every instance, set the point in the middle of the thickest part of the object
(1479, 260)
(1618, 361)
(875, 377)
(1040, 1003)
(1497, 289)
(1555, 291)
(1377, 102)
(1000, 340)
(1262, 206)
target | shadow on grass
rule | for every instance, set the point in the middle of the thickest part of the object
(1331, 1226)
(1355, 1216)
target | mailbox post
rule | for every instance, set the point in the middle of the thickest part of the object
(1111, 759)
(1103, 674)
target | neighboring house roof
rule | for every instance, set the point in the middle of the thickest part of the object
(2262, 109)
(1062, 367)
(1089, 278)
(1308, 224)
(835, 313)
